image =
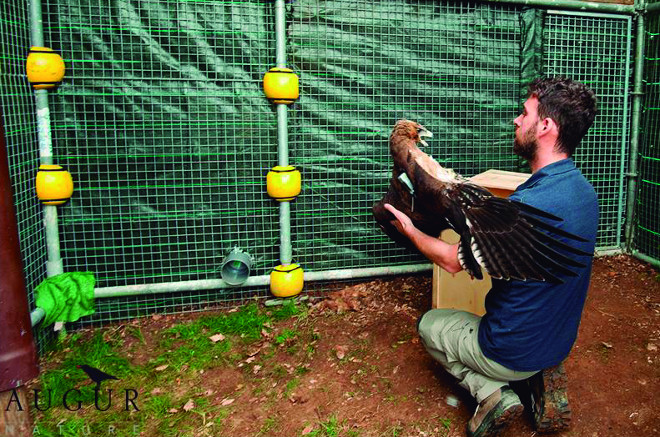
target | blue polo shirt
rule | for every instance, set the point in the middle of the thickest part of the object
(532, 325)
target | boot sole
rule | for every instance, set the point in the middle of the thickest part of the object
(550, 406)
(506, 418)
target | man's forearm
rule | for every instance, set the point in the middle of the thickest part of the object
(443, 254)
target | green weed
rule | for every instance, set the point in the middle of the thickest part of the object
(329, 428)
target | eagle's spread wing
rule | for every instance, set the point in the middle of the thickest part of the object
(502, 236)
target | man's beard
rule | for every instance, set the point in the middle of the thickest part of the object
(527, 146)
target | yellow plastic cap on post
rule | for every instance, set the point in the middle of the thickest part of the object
(283, 183)
(281, 85)
(54, 184)
(286, 280)
(44, 67)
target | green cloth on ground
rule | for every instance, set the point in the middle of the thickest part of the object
(66, 297)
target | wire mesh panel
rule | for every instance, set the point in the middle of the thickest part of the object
(450, 66)
(20, 123)
(647, 232)
(163, 125)
(162, 122)
(595, 49)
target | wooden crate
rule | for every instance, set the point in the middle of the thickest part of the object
(460, 291)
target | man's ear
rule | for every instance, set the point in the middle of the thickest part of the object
(547, 125)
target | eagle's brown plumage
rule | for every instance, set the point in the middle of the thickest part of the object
(500, 235)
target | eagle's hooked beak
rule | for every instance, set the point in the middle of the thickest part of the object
(423, 132)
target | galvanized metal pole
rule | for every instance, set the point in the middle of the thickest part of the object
(54, 262)
(286, 250)
(635, 125)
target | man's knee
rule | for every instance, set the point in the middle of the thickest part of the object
(431, 317)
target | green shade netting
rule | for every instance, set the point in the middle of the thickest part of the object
(163, 123)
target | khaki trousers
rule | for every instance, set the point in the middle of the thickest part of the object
(450, 336)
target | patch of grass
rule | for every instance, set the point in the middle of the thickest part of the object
(135, 332)
(189, 343)
(223, 413)
(97, 352)
(73, 427)
(270, 424)
(287, 310)
(285, 336)
(159, 405)
(186, 344)
(446, 422)
(329, 428)
(291, 386)
(301, 370)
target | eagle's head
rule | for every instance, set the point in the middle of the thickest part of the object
(407, 129)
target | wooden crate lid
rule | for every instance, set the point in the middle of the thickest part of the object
(500, 179)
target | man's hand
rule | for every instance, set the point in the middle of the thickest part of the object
(443, 254)
(402, 222)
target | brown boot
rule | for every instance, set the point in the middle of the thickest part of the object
(494, 413)
(549, 400)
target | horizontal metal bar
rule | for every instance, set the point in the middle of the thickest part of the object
(573, 5)
(653, 8)
(608, 251)
(589, 14)
(37, 316)
(211, 284)
(654, 262)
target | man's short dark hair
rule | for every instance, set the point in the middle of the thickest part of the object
(570, 104)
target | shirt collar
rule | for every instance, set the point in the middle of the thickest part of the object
(558, 167)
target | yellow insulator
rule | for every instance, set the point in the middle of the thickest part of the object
(281, 85)
(54, 184)
(283, 183)
(45, 68)
(286, 280)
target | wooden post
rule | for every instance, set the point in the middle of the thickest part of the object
(18, 355)
(14, 422)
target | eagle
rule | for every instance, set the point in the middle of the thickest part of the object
(508, 239)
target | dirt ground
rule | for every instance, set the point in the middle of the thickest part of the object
(363, 371)
(614, 373)
(614, 368)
